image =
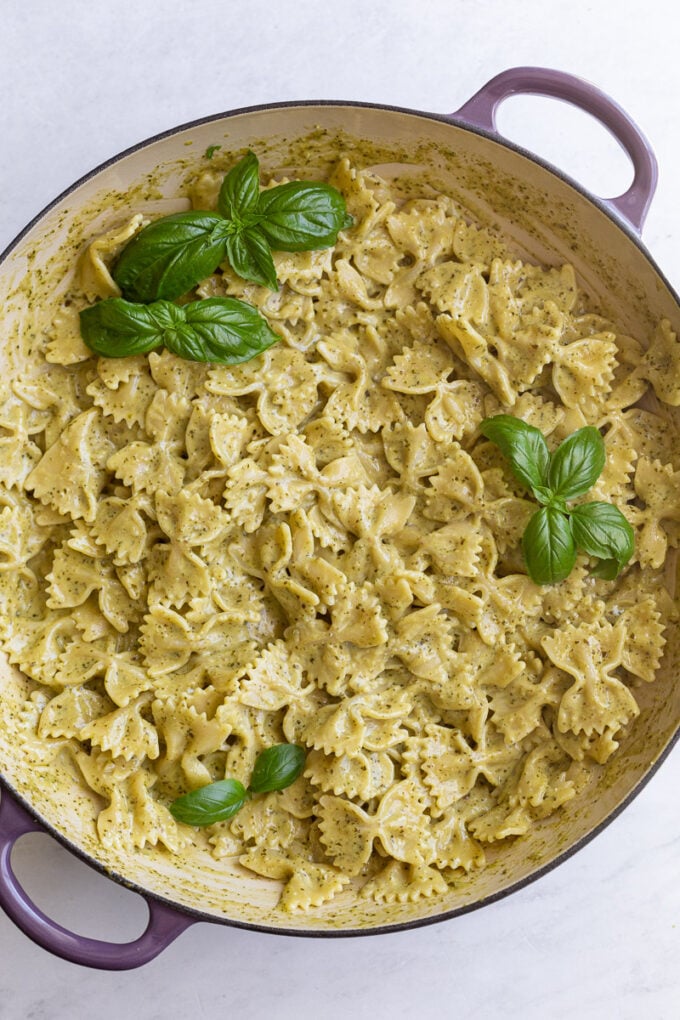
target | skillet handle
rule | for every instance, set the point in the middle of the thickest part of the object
(480, 112)
(165, 924)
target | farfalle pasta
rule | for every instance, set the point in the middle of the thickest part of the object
(318, 546)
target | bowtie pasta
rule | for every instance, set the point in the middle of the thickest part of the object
(318, 547)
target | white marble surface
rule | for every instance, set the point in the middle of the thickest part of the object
(599, 937)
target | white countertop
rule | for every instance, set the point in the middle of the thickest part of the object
(597, 938)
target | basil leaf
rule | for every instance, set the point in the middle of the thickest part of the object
(548, 546)
(606, 570)
(116, 328)
(171, 255)
(302, 216)
(543, 494)
(222, 330)
(250, 257)
(211, 150)
(601, 530)
(526, 449)
(212, 803)
(240, 189)
(277, 767)
(577, 463)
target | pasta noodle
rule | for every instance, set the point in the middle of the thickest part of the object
(319, 547)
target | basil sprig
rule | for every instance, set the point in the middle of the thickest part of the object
(222, 330)
(556, 532)
(171, 255)
(275, 768)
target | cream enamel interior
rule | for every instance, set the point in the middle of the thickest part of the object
(548, 221)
